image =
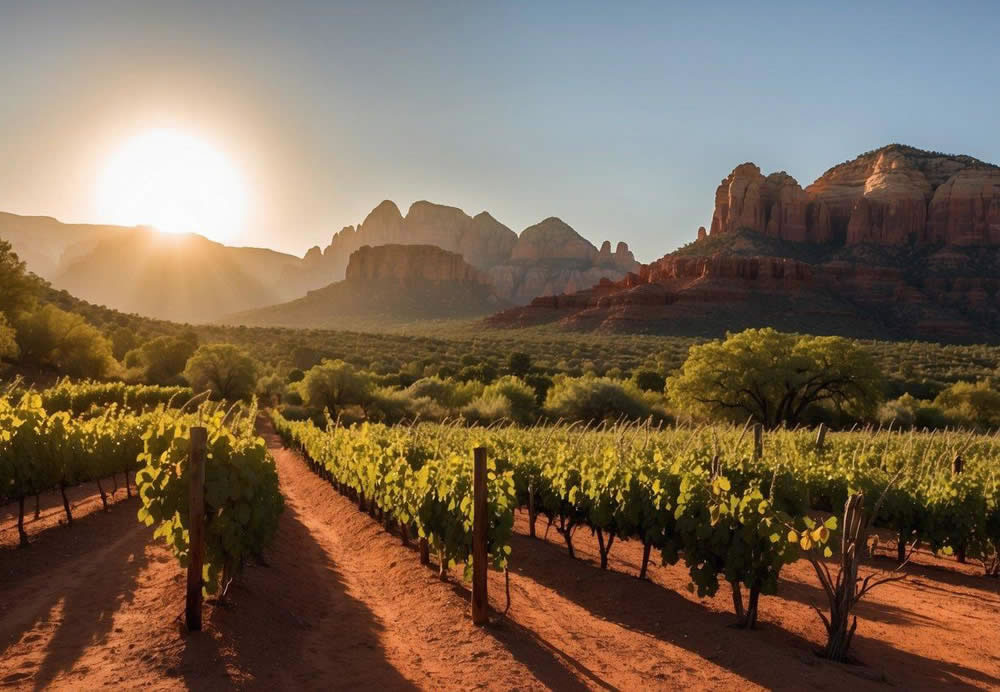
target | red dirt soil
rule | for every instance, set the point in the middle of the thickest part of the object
(344, 605)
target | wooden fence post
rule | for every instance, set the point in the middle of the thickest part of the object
(758, 441)
(480, 602)
(957, 464)
(532, 516)
(820, 437)
(196, 528)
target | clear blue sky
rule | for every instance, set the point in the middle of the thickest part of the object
(620, 118)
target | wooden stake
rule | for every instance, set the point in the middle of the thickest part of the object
(480, 601)
(820, 437)
(196, 528)
(425, 551)
(758, 441)
(531, 510)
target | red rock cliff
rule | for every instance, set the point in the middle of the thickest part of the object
(896, 195)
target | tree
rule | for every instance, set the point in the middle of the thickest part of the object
(972, 405)
(519, 364)
(123, 340)
(64, 341)
(591, 398)
(8, 340)
(774, 377)
(18, 288)
(163, 359)
(224, 369)
(507, 398)
(271, 389)
(649, 380)
(334, 384)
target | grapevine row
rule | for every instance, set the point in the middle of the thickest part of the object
(700, 496)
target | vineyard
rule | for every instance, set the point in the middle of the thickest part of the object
(734, 509)
(731, 508)
(40, 451)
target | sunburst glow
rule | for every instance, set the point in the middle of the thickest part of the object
(175, 182)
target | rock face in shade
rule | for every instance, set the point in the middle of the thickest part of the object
(893, 196)
(549, 256)
(405, 262)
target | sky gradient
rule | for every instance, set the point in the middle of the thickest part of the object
(620, 119)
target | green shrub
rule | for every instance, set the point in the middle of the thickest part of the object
(594, 399)
(971, 405)
(649, 380)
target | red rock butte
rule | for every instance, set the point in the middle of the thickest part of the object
(898, 243)
(896, 195)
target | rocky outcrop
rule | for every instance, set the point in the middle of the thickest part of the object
(547, 257)
(775, 205)
(693, 295)
(893, 196)
(387, 286)
(553, 239)
(965, 210)
(403, 263)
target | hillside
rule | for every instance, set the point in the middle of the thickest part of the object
(897, 244)
(386, 286)
(185, 278)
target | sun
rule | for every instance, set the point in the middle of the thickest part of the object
(174, 182)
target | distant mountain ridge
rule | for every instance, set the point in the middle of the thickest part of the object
(189, 278)
(549, 256)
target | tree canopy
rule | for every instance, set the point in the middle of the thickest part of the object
(334, 384)
(8, 340)
(775, 378)
(50, 337)
(162, 360)
(18, 288)
(224, 369)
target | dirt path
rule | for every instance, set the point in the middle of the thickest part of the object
(344, 604)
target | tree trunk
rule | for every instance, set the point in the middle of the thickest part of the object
(567, 533)
(646, 547)
(21, 533)
(404, 532)
(751, 614)
(114, 483)
(442, 566)
(901, 548)
(69, 514)
(104, 497)
(738, 601)
(604, 549)
(839, 636)
(960, 554)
